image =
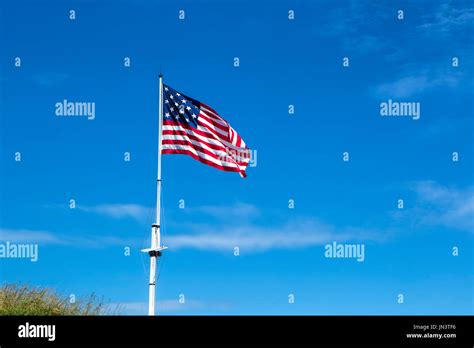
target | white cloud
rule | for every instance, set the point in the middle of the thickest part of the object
(297, 234)
(174, 305)
(347, 24)
(223, 234)
(141, 308)
(237, 210)
(141, 213)
(447, 20)
(447, 25)
(50, 238)
(118, 211)
(50, 79)
(129, 308)
(415, 83)
(29, 236)
(447, 206)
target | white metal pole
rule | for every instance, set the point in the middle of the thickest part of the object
(155, 230)
(158, 181)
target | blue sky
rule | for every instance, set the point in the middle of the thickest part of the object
(408, 251)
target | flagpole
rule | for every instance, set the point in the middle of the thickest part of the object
(156, 248)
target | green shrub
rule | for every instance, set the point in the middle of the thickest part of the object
(27, 300)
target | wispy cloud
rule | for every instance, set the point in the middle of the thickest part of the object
(139, 212)
(447, 20)
(50, 238)
(175, 305)
(436, 205)
(50, 79)
(352, 25)
(30, 236)
(128, 308)
(448, 25)
(447, 206)
(251, 237)
(236, 210)
(162, 306)
(119, 211)
(417, 82)
(295, 234)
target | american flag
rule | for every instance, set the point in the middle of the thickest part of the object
(195, 129)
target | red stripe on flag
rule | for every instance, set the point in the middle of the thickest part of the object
(205, 161)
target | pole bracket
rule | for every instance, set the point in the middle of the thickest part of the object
(154, 251)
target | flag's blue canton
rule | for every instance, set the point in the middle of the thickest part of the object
(179, 108)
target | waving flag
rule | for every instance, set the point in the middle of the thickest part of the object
(195, 129)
